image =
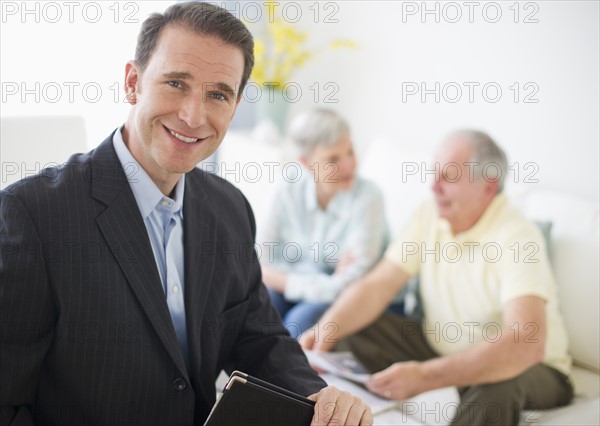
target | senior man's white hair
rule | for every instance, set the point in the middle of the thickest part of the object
(490, 160)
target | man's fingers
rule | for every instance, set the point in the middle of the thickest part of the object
(325, 406)
(342, 407)
(335, 407)
(381, 385)
(382, 378)
(381, 391)
(359, 414)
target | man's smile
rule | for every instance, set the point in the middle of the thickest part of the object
(184, 138)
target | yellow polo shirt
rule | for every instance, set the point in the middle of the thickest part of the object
(465, 279)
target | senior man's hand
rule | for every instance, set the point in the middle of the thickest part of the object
(401, 380)
(336, 407)
(309, 339)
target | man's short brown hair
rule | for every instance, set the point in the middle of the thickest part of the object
(204, 19)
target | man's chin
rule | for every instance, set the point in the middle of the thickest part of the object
(443, 210)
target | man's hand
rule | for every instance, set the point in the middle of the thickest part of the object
(399, 381)
(336, 407)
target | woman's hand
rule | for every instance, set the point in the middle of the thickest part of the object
(274, 279)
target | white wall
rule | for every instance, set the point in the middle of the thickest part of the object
(65, 58)
(558, 55)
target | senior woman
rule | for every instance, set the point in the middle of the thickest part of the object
(325, 230)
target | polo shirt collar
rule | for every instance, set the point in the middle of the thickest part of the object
(497, 203)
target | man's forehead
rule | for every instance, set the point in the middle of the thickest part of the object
(188, 55)
(183, 44)
(454, 147)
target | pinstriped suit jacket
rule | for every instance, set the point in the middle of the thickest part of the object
(86, 333)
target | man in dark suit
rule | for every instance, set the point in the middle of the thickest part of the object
(128, 276)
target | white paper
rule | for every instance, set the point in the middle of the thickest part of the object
(342, 364)
(436, 407)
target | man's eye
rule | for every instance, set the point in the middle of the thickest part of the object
(218, 96)
(175, 83)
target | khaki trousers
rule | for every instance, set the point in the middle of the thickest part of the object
(392, 339)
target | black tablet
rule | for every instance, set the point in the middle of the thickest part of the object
(247, 400)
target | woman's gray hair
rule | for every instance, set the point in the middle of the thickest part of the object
(489, 159)
(317, 127)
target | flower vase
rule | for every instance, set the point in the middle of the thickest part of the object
(272, 107)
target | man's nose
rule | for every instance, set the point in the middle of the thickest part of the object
(193, 111)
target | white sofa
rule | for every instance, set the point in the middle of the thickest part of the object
(30, 143)
(574, 250)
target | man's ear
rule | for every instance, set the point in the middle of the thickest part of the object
(491, 187)
(132, 76)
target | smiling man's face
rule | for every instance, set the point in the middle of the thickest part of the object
(182, 103)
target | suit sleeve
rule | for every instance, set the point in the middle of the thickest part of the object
(26, 311)
(264, 348)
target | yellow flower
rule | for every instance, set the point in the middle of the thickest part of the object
(340, 44)
(281, 50)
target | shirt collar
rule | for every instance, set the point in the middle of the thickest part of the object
(488, 215)
(337, 204)
(146, 193)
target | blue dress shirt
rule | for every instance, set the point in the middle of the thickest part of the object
(163, 218)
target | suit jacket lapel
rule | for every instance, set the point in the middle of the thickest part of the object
(200, 230)
(123, 227)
